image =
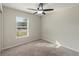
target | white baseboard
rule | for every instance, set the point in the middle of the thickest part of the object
(47, 39)
(71, 48)
(18, 44)
(43, 39)
(62, 45)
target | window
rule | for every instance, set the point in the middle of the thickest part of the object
(21, 27)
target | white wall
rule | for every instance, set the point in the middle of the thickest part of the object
(0, 29)
(10, 27)
(62, 26)
(0, 32)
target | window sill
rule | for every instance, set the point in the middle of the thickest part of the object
(22, 37)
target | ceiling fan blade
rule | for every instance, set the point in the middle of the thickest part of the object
(48, 9)
(32, 9)
(43, 13)
(35, 13)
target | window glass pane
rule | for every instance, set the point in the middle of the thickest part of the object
(21, 26)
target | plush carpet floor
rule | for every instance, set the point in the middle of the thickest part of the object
(36, 48)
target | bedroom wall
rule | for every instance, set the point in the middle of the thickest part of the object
(0, 32)
(10, 39)
(0, 28)
(62, 26)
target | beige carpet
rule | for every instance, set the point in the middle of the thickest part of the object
(39, 48)
(35, 48)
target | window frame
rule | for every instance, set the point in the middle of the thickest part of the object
(27, 30)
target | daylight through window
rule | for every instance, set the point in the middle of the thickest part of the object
(22, 27)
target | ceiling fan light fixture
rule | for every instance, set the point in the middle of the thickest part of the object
(39, 12)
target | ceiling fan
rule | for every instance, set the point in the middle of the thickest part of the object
(40, 9)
